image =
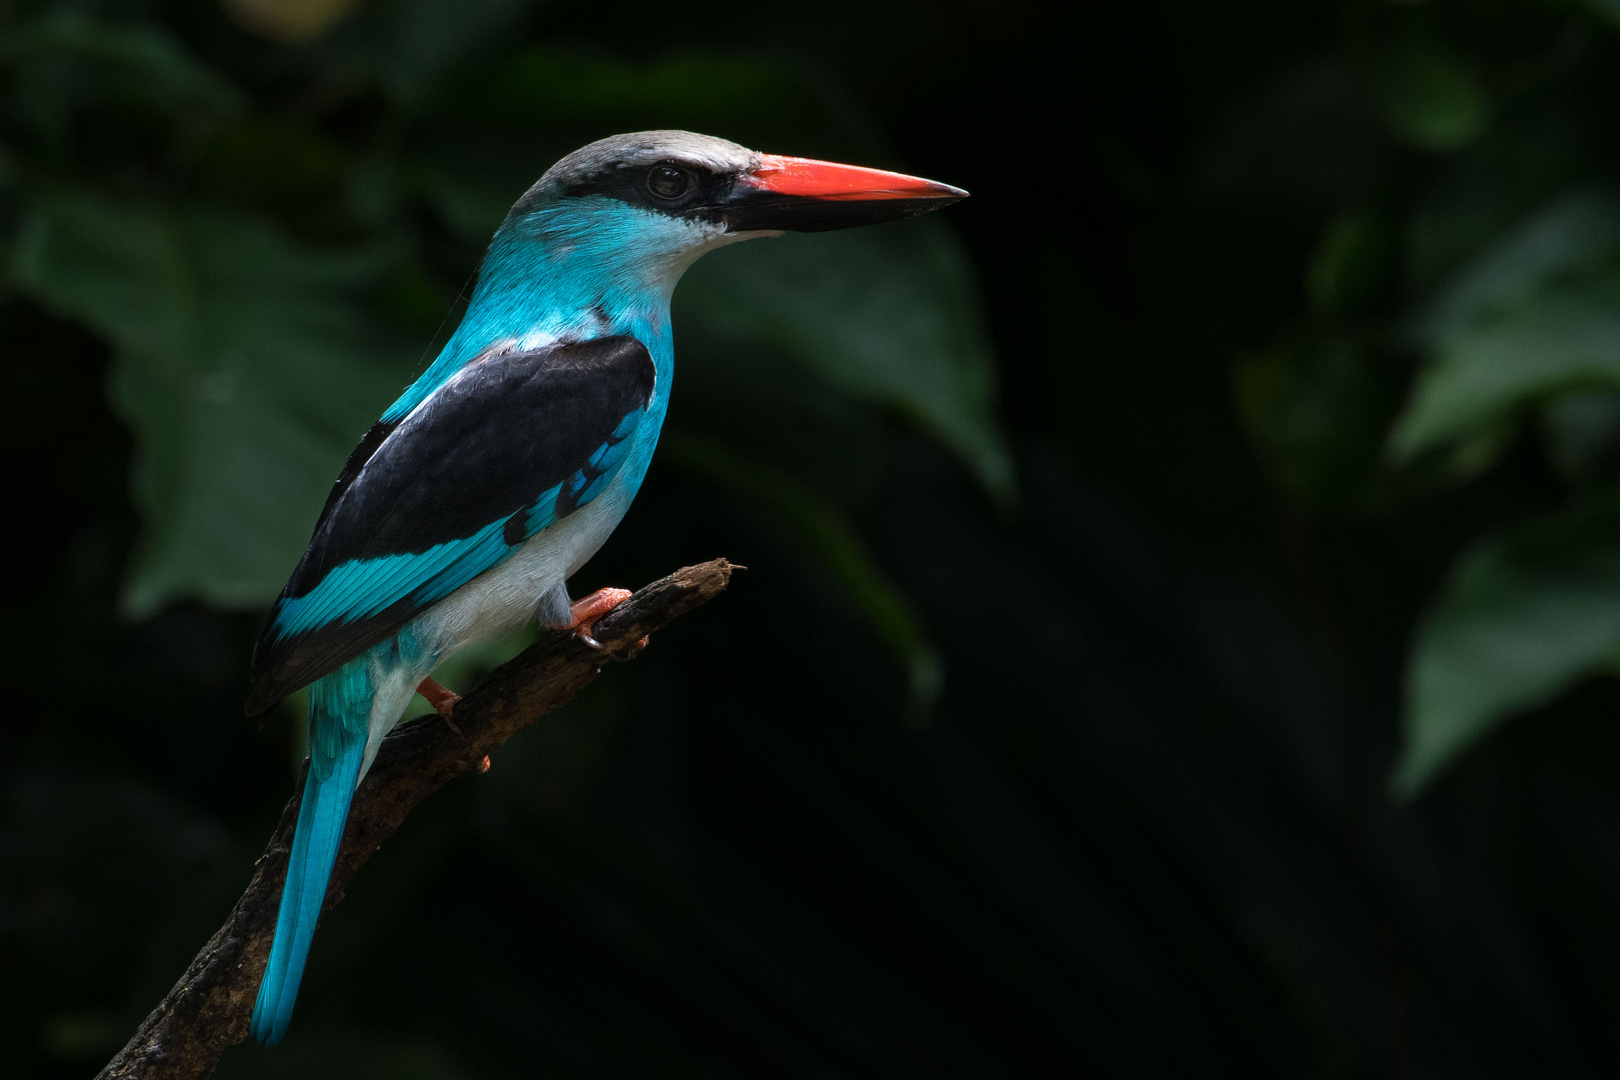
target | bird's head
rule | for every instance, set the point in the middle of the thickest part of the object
(651, 202)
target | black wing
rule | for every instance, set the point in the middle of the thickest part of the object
(506, 446)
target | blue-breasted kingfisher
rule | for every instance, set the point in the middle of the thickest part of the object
(499, 472)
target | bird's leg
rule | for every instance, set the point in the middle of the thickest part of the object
(444, 703)
(442, 700)
(586, 611)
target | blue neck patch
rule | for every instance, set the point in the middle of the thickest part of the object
(571, 270)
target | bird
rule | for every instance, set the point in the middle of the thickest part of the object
(492, 479)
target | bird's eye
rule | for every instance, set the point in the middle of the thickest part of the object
(668, 182)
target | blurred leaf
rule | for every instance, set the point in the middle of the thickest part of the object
(1430, 96)
(888, 315)
(1574, 232)
(1523, 618)
(410, 46)
(1485, 192)
(833, 540)
(1317, 413)
(153, 66)
(1608, 9)
(472, 196)
(1564, 339)
(81, 853)
(1582, 433)
(577, 85)
(291, 171)
(1350, 262)
(1304, 139)
(288, 21)
(246, 368)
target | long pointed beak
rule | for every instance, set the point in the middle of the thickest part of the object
(804, 195)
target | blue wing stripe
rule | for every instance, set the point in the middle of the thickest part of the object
(346, 588)
(485, 550)
(542, 513)
(592, 490)
(366, 586)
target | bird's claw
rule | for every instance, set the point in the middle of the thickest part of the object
(587, 611)
(443, 701)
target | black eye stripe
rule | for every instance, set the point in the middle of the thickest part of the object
(634, 184)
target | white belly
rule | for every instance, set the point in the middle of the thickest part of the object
(507, 596)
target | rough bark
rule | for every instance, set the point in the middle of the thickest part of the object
(208, 1009)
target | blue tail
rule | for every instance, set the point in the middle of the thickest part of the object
(339, 709)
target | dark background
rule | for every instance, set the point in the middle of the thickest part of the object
(1145, 828)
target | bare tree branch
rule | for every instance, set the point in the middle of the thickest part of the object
(208, 1009)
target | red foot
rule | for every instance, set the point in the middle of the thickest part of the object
(442, 700)
(586, 612)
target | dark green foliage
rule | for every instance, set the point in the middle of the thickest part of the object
(1103, 534)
